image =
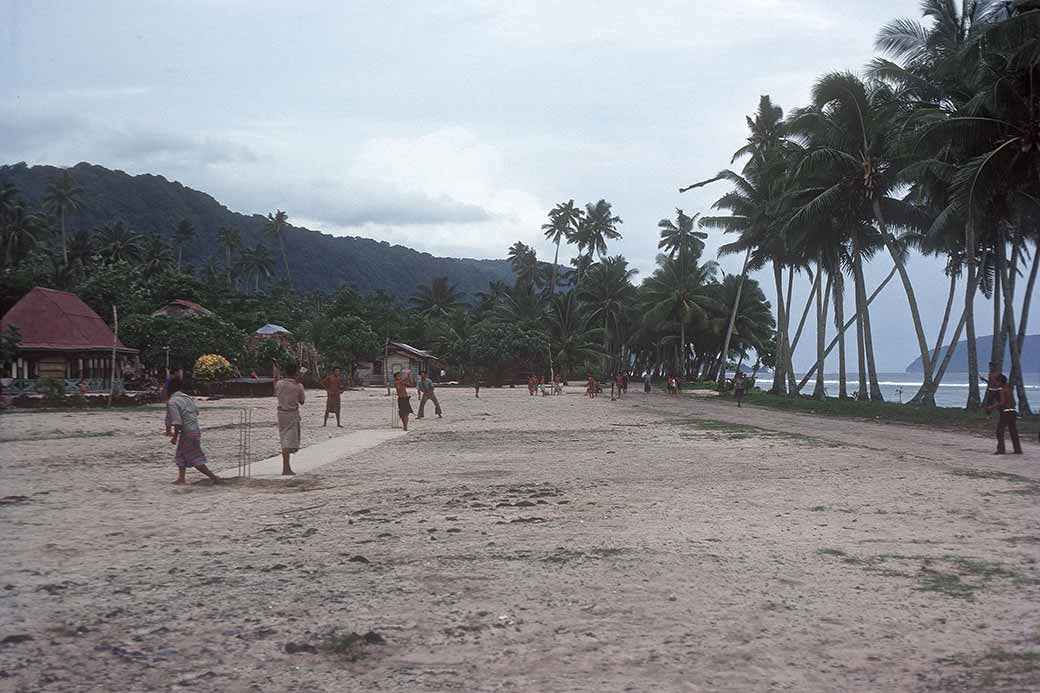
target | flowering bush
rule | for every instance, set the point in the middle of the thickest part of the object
(212, 367)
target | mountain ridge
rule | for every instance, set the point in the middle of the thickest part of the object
(984, 347)
(150, 203)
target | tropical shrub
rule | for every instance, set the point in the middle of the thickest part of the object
(212, 367)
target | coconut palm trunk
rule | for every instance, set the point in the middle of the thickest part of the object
(946, 319)
(285, 258)
(793, 386)
(839, 325)
(1011, 332)
(927, 394)
(866, 336)
(974, 399)
(996, 348)
(821, 331)
(64, 239)
(733, 315)
(779, 378)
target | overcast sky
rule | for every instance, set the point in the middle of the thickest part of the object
(451, 127)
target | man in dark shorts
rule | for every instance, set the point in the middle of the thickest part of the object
(1004, 403)
(404, 407)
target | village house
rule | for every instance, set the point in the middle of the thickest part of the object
(399, 357)
(62, 339)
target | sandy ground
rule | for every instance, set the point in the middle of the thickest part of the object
(534, 544)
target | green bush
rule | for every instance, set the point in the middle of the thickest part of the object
(51, 388)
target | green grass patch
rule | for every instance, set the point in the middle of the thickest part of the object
(954, 576)
(727, 430)
(891, 412)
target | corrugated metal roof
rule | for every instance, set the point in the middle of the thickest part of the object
(271, 328)
(51, 320)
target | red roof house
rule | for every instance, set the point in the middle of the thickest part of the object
(60, 337)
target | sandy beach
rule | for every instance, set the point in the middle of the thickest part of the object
(520, 543)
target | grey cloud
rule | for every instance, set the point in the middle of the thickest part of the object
(137, 146)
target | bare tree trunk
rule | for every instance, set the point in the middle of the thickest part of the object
(839, 325)
(1026, 300)
(733, 315)
(927, 394)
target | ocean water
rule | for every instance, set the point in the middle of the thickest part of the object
(901, 387)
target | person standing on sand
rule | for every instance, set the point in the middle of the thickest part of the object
(648, 379)
(590, 387)
(619, 381)
(426, 392)
(404, 407)
(290, 396)
(183, 417)
(1004, 403)
(739, 385)
(332, 384)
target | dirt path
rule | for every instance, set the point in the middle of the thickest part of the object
(521, 544)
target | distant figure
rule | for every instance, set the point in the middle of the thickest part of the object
(624, 382)
(183, 416)
(1004, 403)
(82, 387)
(591, 387)
(619, 382)
(673, 385)
(404, 407)
(532, 384)
(290, 396)
(476, 386)
(426, 393)
(648, 379)
(333, 385)
(739, 385)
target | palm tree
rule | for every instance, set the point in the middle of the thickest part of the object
(598, 226)
(524, 262)
(850, 134)
(757, 207)
(438, 300)
(572, 335)
(81, 248)
(932, 69)
(679, 236)
(523, 306)
(256, 261)
(156, 255)
(21, 230)
(63, 196)
(231, 239)
(181, 235)
(679, 295)
(117, 243)
(608, 294)
(277, 226)
(564, 220)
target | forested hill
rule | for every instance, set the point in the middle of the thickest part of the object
(150, 204)
(984, 347)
